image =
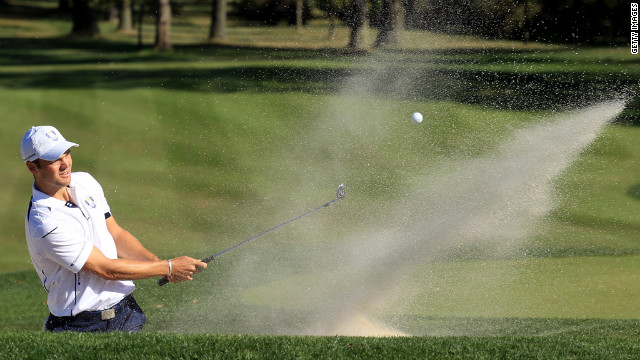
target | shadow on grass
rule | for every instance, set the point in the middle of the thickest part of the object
(634, 191)
(404, 75)
(496, 90)
(207, 80)
(47, 51)
(17, 51)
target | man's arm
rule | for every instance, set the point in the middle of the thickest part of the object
(136, 262)
(131, 269)
(124, 269)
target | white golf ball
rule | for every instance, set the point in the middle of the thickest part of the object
(416, 118)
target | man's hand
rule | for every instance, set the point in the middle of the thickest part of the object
(184, 267)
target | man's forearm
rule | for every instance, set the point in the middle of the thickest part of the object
(124, 269)
(127, 269)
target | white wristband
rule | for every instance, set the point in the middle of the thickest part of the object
(170, 267)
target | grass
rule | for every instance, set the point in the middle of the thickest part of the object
(205, 146)
(548, 338)
(285, 347)
(575, 287)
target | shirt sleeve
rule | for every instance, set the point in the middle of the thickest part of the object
(66, 248)
(94, 187)
(103, 201)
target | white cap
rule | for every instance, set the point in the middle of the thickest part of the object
(44, 142)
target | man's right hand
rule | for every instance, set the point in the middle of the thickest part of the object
(184, 267)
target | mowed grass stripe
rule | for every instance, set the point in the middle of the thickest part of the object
(606, 287)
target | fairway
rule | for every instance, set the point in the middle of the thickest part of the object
(507, 219)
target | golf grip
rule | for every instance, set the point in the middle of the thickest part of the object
(164, 281)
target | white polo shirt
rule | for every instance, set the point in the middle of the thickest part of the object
(60, 237)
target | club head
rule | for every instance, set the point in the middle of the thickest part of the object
(340, 193)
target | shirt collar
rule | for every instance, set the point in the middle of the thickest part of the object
(47, 200)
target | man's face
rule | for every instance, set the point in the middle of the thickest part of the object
(52, 175)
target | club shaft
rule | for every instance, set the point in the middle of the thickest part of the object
(164, 280)
(210, 258)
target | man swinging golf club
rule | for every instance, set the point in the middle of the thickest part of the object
(85, 260)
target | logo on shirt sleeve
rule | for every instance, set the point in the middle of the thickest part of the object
(90, 202)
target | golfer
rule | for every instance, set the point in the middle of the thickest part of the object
(85, 260)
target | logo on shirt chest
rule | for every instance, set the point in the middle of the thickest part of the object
(90, 202)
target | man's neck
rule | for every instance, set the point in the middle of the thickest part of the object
(59, 193)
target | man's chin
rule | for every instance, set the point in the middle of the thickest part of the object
(65, 181)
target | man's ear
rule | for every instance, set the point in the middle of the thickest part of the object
(33, 168)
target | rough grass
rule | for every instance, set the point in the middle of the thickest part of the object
(20, 345)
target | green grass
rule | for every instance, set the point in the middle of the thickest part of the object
(200, 148)
(575, 287)
(482, 337)
(19, 345)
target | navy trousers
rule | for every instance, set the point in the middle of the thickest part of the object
(128, 318)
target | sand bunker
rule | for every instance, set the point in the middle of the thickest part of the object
(361, 325)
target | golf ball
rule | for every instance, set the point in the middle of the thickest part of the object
(416, 118)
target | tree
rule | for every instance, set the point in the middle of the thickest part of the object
(141, 9)
(85, 22)
(391, 23)
(299, 14)
(331, 15)
(579, 21)
(113, 12)
(356, 25)
(335, 10)
(411, 14)
(63, 5)
(126, 17)
(218, 28)
(163, 26)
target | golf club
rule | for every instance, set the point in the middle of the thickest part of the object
(340, 194)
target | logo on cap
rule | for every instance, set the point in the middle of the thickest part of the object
(90, 202)
(52, 135)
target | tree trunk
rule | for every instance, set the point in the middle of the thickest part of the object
(85, 23)
(356, 25)
(113, 13)
(163, 26)
(126, 17)
(332, 24)
(411, 14)
(392, 22)
(218, 29)
(140, 21)
(525, 22)
(299, 4)
(63, 5)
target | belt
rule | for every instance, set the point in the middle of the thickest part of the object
(106, 314)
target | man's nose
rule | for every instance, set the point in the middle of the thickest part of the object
(65, 161)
